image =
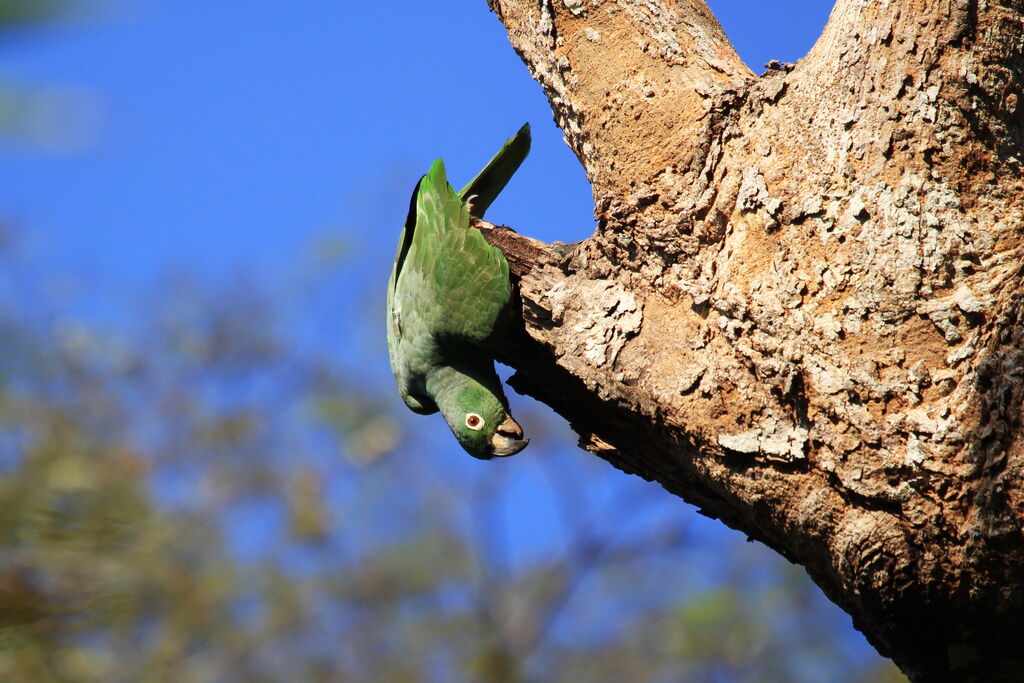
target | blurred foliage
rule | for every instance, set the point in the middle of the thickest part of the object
(57, 118)
(204, 496)
(18, 13)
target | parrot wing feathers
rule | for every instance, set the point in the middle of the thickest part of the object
(404, 241)
(488, 183)
(467, 278)
(447, 296)
(449, 287)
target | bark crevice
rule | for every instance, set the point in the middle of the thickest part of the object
(801, 309)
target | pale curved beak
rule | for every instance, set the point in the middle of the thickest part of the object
(508, 439)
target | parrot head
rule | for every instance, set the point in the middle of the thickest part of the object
(483, 425)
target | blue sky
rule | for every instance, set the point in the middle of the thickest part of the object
(226, 138)
(229, 137)
(222, 135)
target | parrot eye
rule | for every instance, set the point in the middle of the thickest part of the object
(474, 421)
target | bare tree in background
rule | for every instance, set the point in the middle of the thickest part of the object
(801, 309)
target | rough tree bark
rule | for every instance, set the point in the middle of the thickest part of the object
(801, 310)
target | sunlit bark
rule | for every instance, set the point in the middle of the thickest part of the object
(801, 310)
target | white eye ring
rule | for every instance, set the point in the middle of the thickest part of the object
(474, 422)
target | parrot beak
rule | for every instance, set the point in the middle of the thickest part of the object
(508, 438)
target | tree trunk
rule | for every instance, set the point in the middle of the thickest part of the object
(801, 310)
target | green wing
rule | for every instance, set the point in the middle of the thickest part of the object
(466, 280)
(448, 287)
(404, 365)
(484, 188)
(488, 183)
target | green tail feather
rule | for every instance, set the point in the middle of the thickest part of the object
(489, 182)
(436, 176)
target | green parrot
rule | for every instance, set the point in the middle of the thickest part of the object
(447, 299)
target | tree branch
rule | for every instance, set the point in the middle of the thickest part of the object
(802, 308)
(605, 65)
